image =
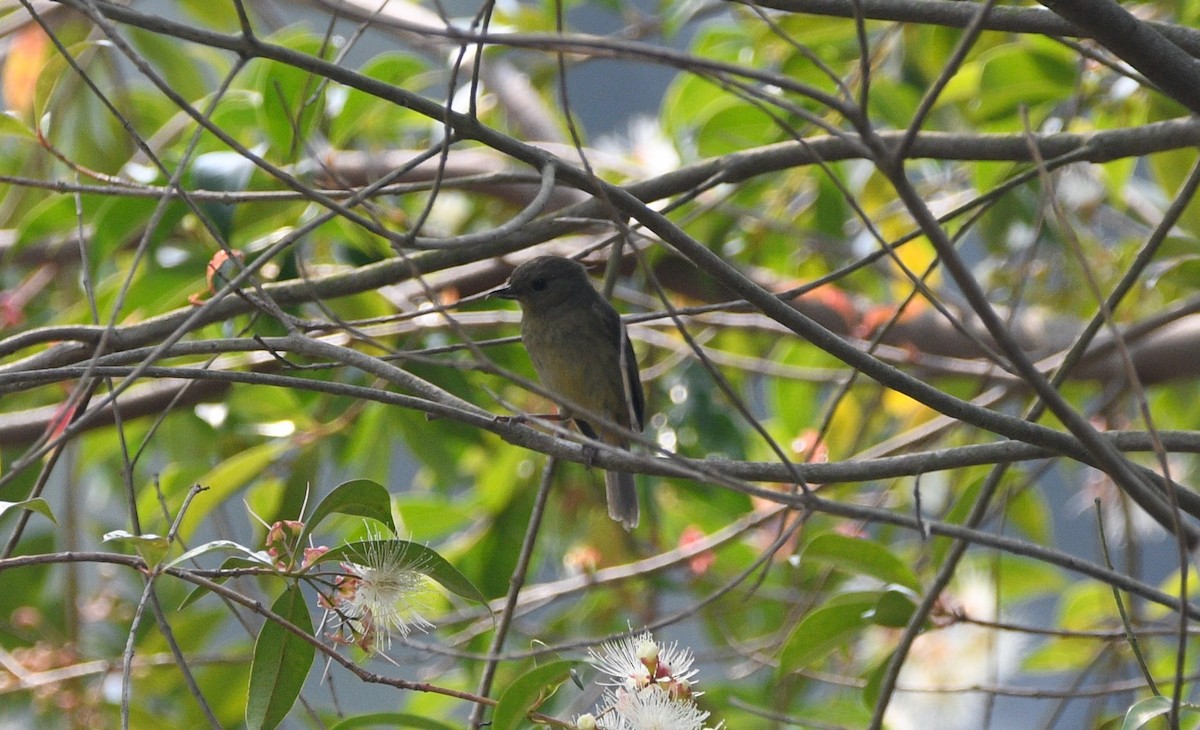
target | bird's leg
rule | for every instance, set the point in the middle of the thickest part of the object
(588, 451)
(589, 455)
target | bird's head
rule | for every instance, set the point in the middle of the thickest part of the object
(546, 282)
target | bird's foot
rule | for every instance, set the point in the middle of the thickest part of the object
(589, 455)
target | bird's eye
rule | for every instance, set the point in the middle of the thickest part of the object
(538, 284)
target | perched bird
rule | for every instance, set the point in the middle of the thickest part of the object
(581, 352)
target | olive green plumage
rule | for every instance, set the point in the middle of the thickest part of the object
(581, 352)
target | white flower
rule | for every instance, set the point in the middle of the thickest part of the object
(944, 662)
(634, 662)
(645, 145)
(381, 597)
(650, 686)
(652, 708)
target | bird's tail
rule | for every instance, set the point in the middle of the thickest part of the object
(622, 498)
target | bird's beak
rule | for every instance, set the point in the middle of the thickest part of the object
(504, 292)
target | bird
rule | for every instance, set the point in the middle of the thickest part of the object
(581, 352)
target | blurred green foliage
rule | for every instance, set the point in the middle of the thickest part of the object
(807, 638)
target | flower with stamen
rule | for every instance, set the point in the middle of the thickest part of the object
(634, 662)
(652, 708)
(649, 687)
(380, 597)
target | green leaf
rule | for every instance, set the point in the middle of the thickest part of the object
(391, 720)
(1084, 606)
(415, 557)
(37, 504)
(820, 633)
(870, 693)
(175, 61)
(690, 102)
(280, 664)
(527, 693)
(12, 125)
(1170, 171)
(894, 609)
(1028, 510)
(861, 557)
(733, 129)
(227, 171)
(433, 518)
(1017, 75)
(359, 497)
(216, 546)
(257, 560)
(293, 99)
(894, 103)
(1026, 578)
(151, 547)
(223, 481)
(1143, 711)
(365, 118)
(52, 216)
(1060, 655)
(120, 220)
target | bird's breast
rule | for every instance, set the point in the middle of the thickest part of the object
(574, 358)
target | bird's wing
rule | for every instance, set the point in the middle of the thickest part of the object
(617, 334)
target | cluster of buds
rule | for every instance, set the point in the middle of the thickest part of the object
(283, 545)
(649, 687)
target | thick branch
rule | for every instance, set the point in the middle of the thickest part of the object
(958, 14)
(1137, 43)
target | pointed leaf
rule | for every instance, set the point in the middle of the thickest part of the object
(390, 720)
(527, 693)
(228, 546)
(257, 560)
(292, 98)
(894, 609)
(197, 593)
(37, 504)
(1144, 711)
(359, 497)
(820, 633)
(223, 481)
(870, 693)
(280, 664)
(152, 548)
(861, 557)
